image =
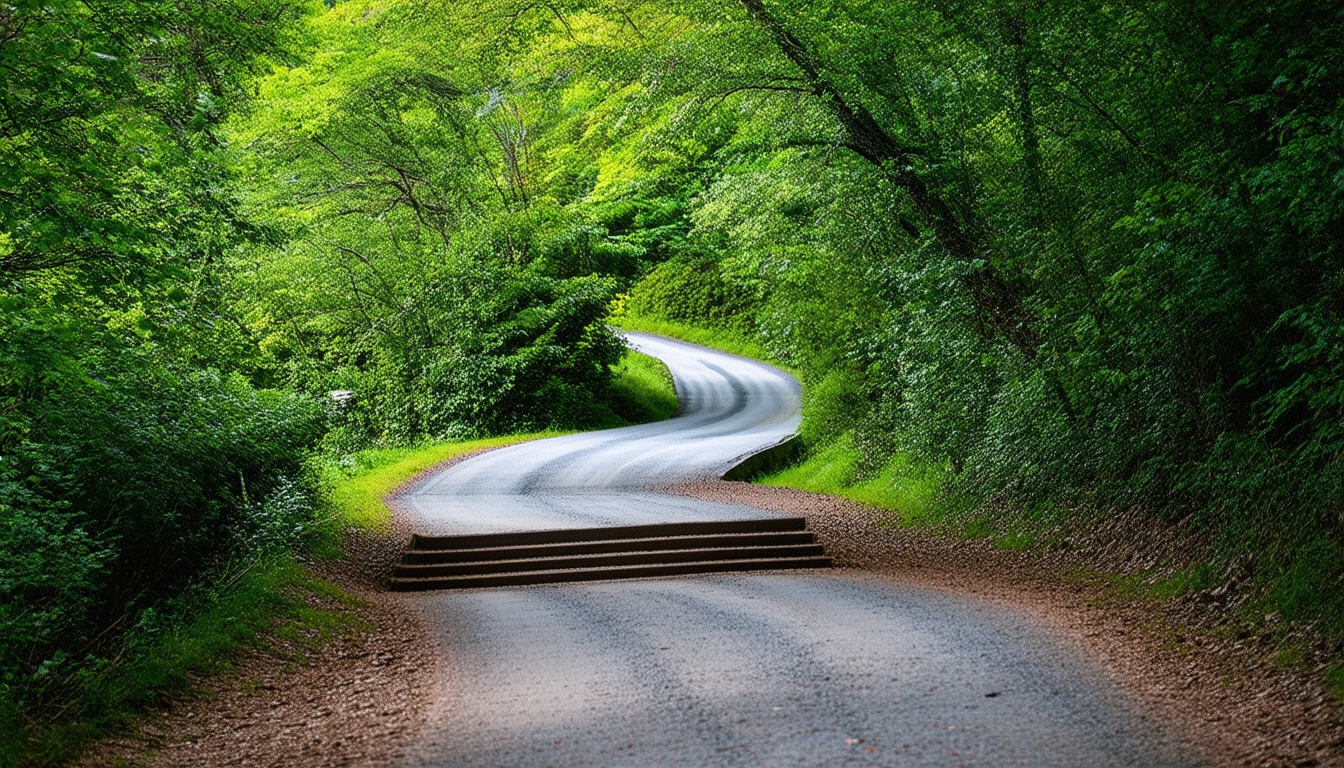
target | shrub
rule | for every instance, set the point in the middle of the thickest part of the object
(695, 290)
(129, 487)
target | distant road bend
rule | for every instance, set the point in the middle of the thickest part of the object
(798, 668)
(731, 407)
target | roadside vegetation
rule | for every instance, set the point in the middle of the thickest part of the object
(204, 631)
(359, 481)
(728, 341)
(1033, 262)
(643, 389)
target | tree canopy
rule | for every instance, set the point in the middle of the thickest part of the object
(1067, 259)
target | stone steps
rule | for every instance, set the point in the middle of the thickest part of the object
(616, 552)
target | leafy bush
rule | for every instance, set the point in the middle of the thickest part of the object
(516, 352)
(130, 486)
(695, 291)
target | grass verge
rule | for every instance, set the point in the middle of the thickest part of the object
(727, 341)
(271, 603)
(643, 389)
(904, 487)
(359, 483)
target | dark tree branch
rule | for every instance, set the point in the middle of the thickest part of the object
(994, 297)
(631, 22)
(1093, 105)
(764, 87)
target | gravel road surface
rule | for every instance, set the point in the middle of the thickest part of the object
(803, 668)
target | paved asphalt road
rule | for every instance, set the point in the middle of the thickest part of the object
(730, 408)
(812, 668)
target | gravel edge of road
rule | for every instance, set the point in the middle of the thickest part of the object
(359, 700)
(1223, 698)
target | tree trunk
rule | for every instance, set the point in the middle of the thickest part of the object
(995, 299)
(1015, 29)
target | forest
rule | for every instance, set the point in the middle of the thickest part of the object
(1060, 262)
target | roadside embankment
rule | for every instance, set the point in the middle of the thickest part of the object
(356, 695)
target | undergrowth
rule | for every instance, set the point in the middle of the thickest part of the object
(205, 632)
(643, 389)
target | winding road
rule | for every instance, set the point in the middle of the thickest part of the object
(818, 668)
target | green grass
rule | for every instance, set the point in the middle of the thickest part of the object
(262, 607)
(903, 487)
(1159, 586)
(1016, 541)
(359, 485)
(1334, 679)
(727, 341)
(643, 389)
(912, 491)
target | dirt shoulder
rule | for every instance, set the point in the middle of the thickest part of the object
(358, 700)
(1224, 697)
(363, 700)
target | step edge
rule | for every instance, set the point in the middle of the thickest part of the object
(632, 545)
(610, 573)
(645, 553)
(776, 524)
(803, 532)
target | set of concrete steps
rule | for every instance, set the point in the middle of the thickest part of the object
(591, 554)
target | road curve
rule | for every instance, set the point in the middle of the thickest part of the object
(778, 669)
(730, 408)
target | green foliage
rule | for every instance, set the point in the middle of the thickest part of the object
(427, 265)
(199, 633)
(357, 483)
(911, 490)
(524, 353)
(128, 489)
(643, 389)
(694, 292)
(137, 462)
(832, 406)
(105, 146)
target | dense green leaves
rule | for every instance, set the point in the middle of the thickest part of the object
(1042, 255)
(126, 437)
(1062, 254)
(428, 265)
